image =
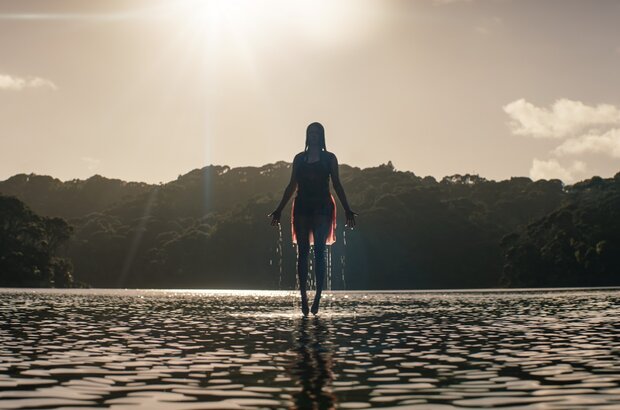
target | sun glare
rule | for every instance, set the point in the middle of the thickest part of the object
(208, 16)
(325, 21)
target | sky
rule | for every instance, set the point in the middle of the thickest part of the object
(146, 90)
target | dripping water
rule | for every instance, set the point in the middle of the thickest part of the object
(297, 290)
(329, 268)
(311, 280)
(343, 258)
(279, 254)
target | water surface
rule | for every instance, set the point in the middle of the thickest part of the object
(148, 349)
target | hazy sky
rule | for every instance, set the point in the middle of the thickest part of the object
(148, 90)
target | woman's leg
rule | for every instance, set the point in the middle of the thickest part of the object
(321, 225)
(302, 225)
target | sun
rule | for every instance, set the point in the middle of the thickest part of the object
(326, 21)
(208, 16)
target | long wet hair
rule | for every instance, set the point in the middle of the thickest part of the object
(316, 126)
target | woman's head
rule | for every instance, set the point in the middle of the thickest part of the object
(315, 135)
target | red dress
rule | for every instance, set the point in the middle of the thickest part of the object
(313, 196)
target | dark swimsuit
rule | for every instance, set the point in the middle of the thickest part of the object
(313, 196)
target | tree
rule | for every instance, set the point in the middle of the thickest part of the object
(28, 246)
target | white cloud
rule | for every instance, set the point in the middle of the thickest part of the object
(564, 118)
(607, 143)
(552, 169)
(9, 82)
(586, 129)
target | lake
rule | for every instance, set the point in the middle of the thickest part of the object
(194, 349)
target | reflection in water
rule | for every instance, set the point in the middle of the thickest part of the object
(208, 349)
(312, 368)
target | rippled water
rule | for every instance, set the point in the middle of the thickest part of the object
(227, 350)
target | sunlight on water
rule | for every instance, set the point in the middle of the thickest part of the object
(227, 348)
(187, 349)
(220, 292)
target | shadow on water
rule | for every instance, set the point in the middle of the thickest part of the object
(312, 368)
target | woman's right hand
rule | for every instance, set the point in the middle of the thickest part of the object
(275, 217)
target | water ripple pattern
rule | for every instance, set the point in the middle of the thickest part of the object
(149, 349)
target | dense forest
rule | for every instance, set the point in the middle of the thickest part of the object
(209, 229)
(28, 247)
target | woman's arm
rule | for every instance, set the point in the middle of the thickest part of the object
(288, 192)
(333, 165)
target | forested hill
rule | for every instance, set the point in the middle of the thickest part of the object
(209, 229)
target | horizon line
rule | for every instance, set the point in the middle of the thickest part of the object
(388, 163)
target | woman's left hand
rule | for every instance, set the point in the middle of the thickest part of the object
(350, 218)
(275, 217)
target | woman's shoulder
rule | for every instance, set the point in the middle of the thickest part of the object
(329, 155)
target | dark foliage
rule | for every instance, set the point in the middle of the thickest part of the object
(575, 245)
(209, 228)
(28, 247)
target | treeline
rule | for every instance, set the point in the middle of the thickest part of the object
(209, 229)
(29, 245)
(577, 244)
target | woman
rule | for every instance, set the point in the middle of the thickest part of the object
(313, 217)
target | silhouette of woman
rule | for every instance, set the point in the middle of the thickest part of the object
(313, 217)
